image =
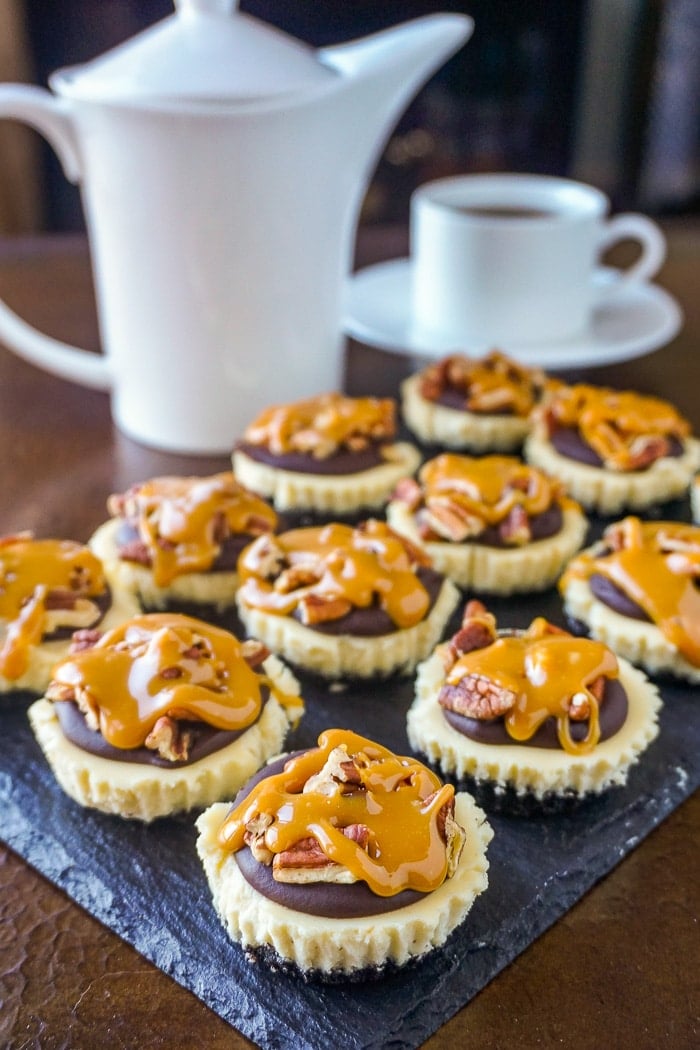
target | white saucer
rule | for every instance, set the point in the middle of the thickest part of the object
(637, 320)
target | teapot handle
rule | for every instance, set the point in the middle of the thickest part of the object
(49, 116)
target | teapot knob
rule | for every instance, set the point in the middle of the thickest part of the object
(206, 7)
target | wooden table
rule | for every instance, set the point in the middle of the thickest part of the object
(620, 969)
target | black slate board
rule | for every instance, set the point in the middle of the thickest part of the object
(146, 882)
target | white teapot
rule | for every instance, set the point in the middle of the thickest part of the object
(222, 166)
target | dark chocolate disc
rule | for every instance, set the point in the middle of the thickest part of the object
(569, 443)
(206, 739)
(615, 598)
(344, 461)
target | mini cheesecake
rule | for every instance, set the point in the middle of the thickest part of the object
(345, 861)
(533, 719)
(490, 523)
(472, 404)
(342, 601)
(48, 590)
(163, 714)
(637, 590)
(331, 455)
(613, 450)
(176, 540)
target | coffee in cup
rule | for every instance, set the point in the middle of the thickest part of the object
(512, 259)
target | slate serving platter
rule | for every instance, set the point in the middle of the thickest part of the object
(146, 883)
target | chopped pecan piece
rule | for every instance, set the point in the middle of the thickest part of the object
(254, 653)
(136, 551)
(597, 688)
(451, 833)
(449, 520)
(645, 450)
(579, 707)
(304, 575)
(408, 491)
(477, 631)
(266, 557)
(59, 691)
(339, 770)
(254, 837)
(169, 739)
(515, 528)
(85, 639)
(476, 696)
(315, 608)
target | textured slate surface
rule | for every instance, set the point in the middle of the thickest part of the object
(147, 885)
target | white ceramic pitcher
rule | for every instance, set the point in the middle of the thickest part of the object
(222, 165)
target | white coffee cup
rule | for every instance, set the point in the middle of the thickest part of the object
(513, 259)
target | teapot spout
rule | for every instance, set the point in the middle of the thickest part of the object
(383, 71)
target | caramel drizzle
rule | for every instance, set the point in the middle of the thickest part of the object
(30, 570)
(491, 384)
(543, 671)
(488, 487)
(182, 520)
(320, 425)
(612, 422)
(361, 565)
(164, 664)
(657, 568)
(399, 800)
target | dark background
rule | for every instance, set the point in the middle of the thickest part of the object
(604, 90)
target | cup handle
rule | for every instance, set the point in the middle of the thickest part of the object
(50, 117)
(634, 227)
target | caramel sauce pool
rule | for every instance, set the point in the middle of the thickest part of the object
(353, 564)
(399, 801)
(29, 571)
(657, 573)
(544, 673)
(164, 664)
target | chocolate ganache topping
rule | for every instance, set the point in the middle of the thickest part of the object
(48, 589)
(329, 434)
(648, 571)
(541, 687)
(339, 579)
(345, 829)
(178, 525)
(162, 683)
(496, 501)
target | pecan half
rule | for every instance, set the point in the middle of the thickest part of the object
(306, 862)
(169, 739)
(476, 696)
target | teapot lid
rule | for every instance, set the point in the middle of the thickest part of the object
(206, 52)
